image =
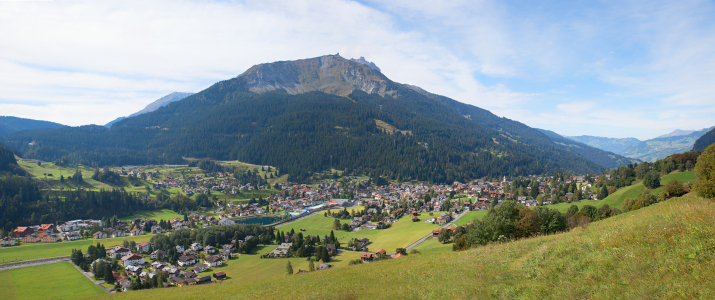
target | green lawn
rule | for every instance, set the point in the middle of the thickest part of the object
(159, 214)
(50, 281)
(471, 216)
(432, 245)
(45, 250)
(399, 235)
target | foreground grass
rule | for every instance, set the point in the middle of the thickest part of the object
(46, 250)
(50, 281)
(662, 251)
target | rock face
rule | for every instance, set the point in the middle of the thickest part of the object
(332, 74)
(370, 64)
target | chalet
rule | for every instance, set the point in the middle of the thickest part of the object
(282, 250)
(158, 255)
(209, 250)
(119, 233)
(196, 246)
(187, 260)
(220, 275)
(435, 233)
(199, 267)
(134, 270)
(158, 266)
(70, 236)
(100, 235)
(136, 232)
(23, 231)
(191, 252)
(50, 238)
(32, 238)
(8, 241)
(47, 227)
(381, 251)
(180, 249)
(366, 257)
(214, 260)
(323, 266)
(145, 247)
(332, 250)
(225, 254)
(155, 229)
(179, 282)
(189, 274)
(119, 252)
(133, 260)
(204, 279)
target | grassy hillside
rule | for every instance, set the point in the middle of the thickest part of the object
(45, 250)
(662, 251)
(51, 281)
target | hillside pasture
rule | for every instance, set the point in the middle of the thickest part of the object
(159, 214)
(46, 250)
(49, 281)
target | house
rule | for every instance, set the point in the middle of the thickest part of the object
(47, 227)
(133, 260)
(50, 238)
(119, 233)
(204, 279)
(70, 236)
(332, 250)
(214, 260)
(220, 275)
(155, 229)
(381, 251)
(145, 247)
(179, 249)
(119, 252)
(32, 238)
(198, 268)
(158, 255)
(209, 250)
(100, 235)
(22, 231)
(196, 246)
(398, 255)
(282, 250)
(8, 241)
(226, 221)
(366, 257)
(435, 233)
(323, 266)
(133, 270)
(158, 266)
(187, 260)
(178, 281)
(225, 254)
(136, 232)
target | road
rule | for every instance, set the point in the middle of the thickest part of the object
(445, 226)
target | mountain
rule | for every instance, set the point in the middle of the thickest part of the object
(12, 124)
(307, 115)
(657, 148)
(602, 157)
(677, 132)
(614, 145)
(705, 140)
(163, 101)
(8, 162)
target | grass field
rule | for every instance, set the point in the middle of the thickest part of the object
(159, 214)
(471, 216)
(432, 245)
(399, 235)
(45, 250)
(50, 281)
(656, 252)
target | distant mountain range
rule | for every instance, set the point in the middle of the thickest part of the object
(13, 124)
(677, 141)
(163, 101)
(704, 141)
(309, 115)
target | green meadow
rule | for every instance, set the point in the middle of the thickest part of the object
(652, 253)
(46, 250)
(159, 214)
(50, 281)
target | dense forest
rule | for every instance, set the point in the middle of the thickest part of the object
(8, 163)
(405, 134)
(704, 141)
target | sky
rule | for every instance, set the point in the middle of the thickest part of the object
(604, 68)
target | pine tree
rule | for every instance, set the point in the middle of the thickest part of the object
(289, 268)
(311, 266)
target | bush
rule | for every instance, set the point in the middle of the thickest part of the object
(705, 173)
(652, 180)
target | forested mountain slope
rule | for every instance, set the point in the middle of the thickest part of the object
(163, 101)
(654, 149)
(605, 158)
(12, 124)
(301, 116)
(614, 145)
(705, 141)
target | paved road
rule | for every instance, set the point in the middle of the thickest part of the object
(445, 226)
(27, 263)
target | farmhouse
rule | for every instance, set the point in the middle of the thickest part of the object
(133, 260)
(22, 231)
(100, 235)
(198, 268)
(214, 260)
(136, 232)
(225, 254)
(220, 275)
(187, 260)
(119, 252)
(282, 250)
(366, 257)
(145, 247)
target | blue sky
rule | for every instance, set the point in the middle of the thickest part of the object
(609, 68)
